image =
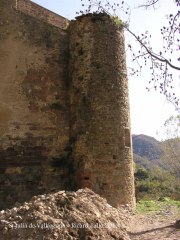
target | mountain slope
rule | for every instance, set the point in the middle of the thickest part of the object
(146, 147)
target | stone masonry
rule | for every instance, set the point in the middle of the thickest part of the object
(64, 108)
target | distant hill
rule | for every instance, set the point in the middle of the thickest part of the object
(156, 167)
(148, 151)
(146, 147)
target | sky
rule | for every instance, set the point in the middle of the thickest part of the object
(149, 109)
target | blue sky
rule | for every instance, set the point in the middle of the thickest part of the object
(149, 110)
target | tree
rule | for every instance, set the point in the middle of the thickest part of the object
(171, 146)
(141, 173)
(161, 64)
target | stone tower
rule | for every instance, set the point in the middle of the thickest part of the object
(64, 108)
(100, 121)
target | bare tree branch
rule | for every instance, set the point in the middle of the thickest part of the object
(152, 3)
(160, 65)
(154, 55)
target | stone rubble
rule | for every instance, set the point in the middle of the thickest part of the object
(64, 215)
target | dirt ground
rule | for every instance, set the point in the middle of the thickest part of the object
(84, 215)
(155, 226)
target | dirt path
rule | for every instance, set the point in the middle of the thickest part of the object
(155, 226)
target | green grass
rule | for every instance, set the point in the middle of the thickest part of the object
(147, 206)
(171, 202)
(152, 206)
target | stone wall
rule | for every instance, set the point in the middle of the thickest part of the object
(100, 122)
(64, 108)
(43, 14)
(34, 112)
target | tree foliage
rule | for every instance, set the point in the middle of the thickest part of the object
(155, 184)
(163, 64)
(171, 146)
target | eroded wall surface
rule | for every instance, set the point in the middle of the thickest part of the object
(64, 107)
(100, 121)
(34, 112)
(34, 10)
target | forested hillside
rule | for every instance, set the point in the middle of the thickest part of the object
(157, 167)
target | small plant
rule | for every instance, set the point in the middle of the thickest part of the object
(104, 6)
(117, 20)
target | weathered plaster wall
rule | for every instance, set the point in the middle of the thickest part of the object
(100, 122)
(34, 112)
